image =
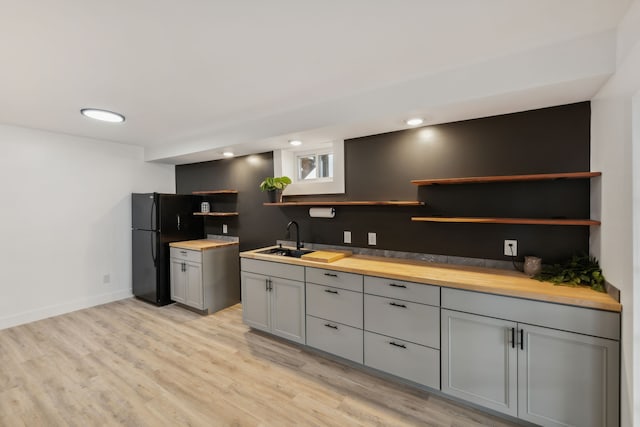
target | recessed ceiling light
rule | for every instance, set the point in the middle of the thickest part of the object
(295, 142)
(415, 121)
(104, 115)
(228, 154)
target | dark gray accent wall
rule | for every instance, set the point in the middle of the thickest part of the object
(380, 167)
(255, 225)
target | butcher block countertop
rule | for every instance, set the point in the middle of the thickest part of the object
(493, 281)
(201, 245)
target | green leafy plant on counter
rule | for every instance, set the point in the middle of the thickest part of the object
(275, 183)
(579, 270)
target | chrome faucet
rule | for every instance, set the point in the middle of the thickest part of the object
(298, 244)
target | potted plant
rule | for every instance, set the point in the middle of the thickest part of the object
(275, 185)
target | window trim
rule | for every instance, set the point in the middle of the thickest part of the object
(285, 163)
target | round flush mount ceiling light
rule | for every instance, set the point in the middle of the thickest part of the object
(295, 142)
(415, 121)
(103, 115)
(228, 154)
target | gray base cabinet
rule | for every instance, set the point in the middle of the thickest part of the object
(547, 376)
(549, 364)
(272, 303)
(206, 280)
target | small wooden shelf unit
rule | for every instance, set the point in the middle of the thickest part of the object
(215, 193)
(508, 178)
(355, 203)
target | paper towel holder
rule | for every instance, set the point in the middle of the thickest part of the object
(322, 212)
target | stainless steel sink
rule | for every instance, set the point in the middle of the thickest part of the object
(292, 253)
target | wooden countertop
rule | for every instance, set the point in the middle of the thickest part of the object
(202, 244)
(493, 281)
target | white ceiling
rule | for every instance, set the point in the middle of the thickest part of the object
(194, 77)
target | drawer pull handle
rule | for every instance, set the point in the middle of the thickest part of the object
(331, 274)
(331, 291)
(183, 252)
(395, 304)
(397, 286)
(329, 325)
(513, 337)
(521, 339)
(397, 345)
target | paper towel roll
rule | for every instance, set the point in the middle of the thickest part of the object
(322, 212)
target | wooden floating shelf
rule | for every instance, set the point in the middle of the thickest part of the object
(216, 213)
(360, 203)
(526, 221)
(506, 178)
(213, 192)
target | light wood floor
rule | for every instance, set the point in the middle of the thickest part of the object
(130, 363)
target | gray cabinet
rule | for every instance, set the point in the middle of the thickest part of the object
(567, 379)
(402, 329)
(544, 375)
(206, 280)
(186, 282)
(334, 312)
(274, 302)
(478, 362)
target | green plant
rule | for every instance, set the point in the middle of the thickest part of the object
(579, 270)
(275, 183)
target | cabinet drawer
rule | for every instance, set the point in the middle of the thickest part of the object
(403, 359)
(273, 269)
(335, 338)
(186, 255)
(338, 279)
(581, 320)
(335, 304)
(409, 321)
(398, 289)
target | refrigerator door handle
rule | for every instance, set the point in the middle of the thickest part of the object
(178, 218)
(153, 226)
(154, 256)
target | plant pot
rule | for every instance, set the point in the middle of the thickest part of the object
(275, 196)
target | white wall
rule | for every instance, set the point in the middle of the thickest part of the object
(612, 152)
(65, 220)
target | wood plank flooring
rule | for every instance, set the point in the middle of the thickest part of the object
(130, 363)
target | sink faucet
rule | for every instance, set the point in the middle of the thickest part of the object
(298, 244)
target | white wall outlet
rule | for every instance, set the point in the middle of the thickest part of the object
(106, 279)
(371, 238)
(347, 237)
(225, 230)
(511, 247)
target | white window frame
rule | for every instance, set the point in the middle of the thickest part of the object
(285, 162)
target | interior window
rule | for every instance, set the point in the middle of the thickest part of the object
(317, 169)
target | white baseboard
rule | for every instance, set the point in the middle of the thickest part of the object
(57, 309)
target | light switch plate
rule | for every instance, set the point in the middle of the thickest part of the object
(372, 239)
(347, 237)
(224, 229)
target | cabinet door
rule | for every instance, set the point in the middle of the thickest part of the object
(479, 360)
(287, 309)
(256, 301)
(195, 294)
(567, 379)
(178, 281)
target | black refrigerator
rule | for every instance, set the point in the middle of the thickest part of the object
(157, 220)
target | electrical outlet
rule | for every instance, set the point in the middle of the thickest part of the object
(511, 247)
(347, 237)
(106, 279)
(225, 230)
(372, 239)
